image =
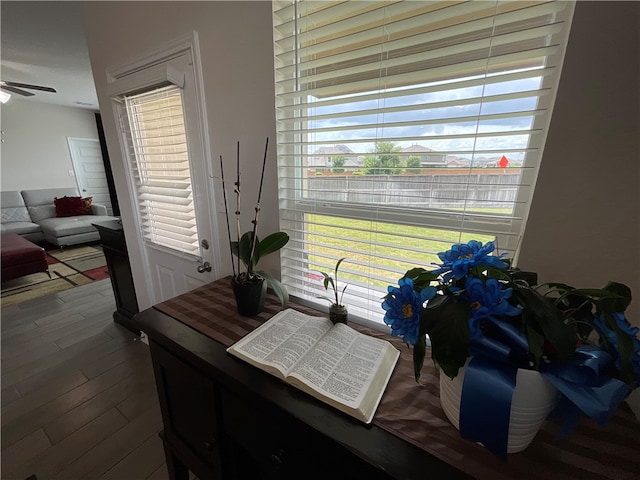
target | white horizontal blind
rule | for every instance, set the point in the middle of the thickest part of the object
(156, 144)
(404, 127)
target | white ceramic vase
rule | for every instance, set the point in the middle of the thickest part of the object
(533, 399)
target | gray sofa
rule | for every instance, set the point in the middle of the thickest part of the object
(16, 219)
(32, 214)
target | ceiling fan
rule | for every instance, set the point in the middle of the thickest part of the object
(15, 87)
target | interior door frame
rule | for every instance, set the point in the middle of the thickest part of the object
(148, 65)
(107, 166)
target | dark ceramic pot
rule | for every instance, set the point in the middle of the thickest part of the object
(250, 296)
(338, 314)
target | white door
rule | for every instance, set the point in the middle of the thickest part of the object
(88, 165)
(166, 149)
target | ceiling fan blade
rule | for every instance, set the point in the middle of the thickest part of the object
(24, 93)
(31, 87)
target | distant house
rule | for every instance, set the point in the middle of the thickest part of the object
(322, 158)
(428, 158)
(457, 162)
(478, 162)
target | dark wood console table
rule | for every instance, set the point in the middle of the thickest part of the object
(225, 419)
(115, 252)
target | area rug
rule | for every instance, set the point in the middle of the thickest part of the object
(69, 267)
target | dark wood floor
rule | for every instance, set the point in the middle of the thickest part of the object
(78, 394)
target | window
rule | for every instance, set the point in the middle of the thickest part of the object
(404, 127)
(157, 149)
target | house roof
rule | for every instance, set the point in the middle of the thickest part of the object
(416, 148)
(335, 150)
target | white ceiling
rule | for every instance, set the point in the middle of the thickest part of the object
(43, 43)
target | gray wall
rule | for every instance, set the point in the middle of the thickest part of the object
(35, 152)
(584, 223)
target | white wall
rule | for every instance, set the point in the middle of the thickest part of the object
(237, 63)
(35, 153)
(584, 224)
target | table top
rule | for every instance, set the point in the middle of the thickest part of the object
(409, 433)
(115, 225)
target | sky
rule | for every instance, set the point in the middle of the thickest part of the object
(434, 125)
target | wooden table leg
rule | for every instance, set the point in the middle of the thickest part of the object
(177, 469)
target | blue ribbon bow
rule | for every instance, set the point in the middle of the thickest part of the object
(490, 379)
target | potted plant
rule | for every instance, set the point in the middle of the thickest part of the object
(338, 312)
(487, 321)
(250, 286)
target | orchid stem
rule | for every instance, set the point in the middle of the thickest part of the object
(226, 214)
(257, 209)
(237, 189)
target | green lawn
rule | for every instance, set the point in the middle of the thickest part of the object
(410, 246)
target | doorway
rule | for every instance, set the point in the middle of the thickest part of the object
(88, 165)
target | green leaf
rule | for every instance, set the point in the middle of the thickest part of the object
(622, 299)
(530, 278)
(493, 272)
(245, 251)
(446, 321)
(421, 278)
(559, 286)
(536, 342)
(625, 349)
(328, 281)
(268, 245)
(272, 243)
(419, 353)
(277, 288)
(342, 294)
(615, 297)
(338, 266)
(541, 314)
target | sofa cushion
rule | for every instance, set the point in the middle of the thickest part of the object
(20, 227)
(12, 207)
(40, 203)
(15, 214)
(62, 236)
(45, 196)
(42, 212)
(63, 226)
(72, 206)
(11, 198)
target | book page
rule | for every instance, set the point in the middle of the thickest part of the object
(344, 364)
(281, 341)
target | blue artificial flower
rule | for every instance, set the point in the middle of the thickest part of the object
(600, 324)
(462, 257)
(404, 306)
(487, 300)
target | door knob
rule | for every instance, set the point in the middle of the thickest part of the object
(205, 267)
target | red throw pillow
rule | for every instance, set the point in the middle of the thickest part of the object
(72, 206)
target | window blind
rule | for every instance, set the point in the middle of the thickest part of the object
(156, 145)
(404, 127)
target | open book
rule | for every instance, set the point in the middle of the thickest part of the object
(334, 363)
